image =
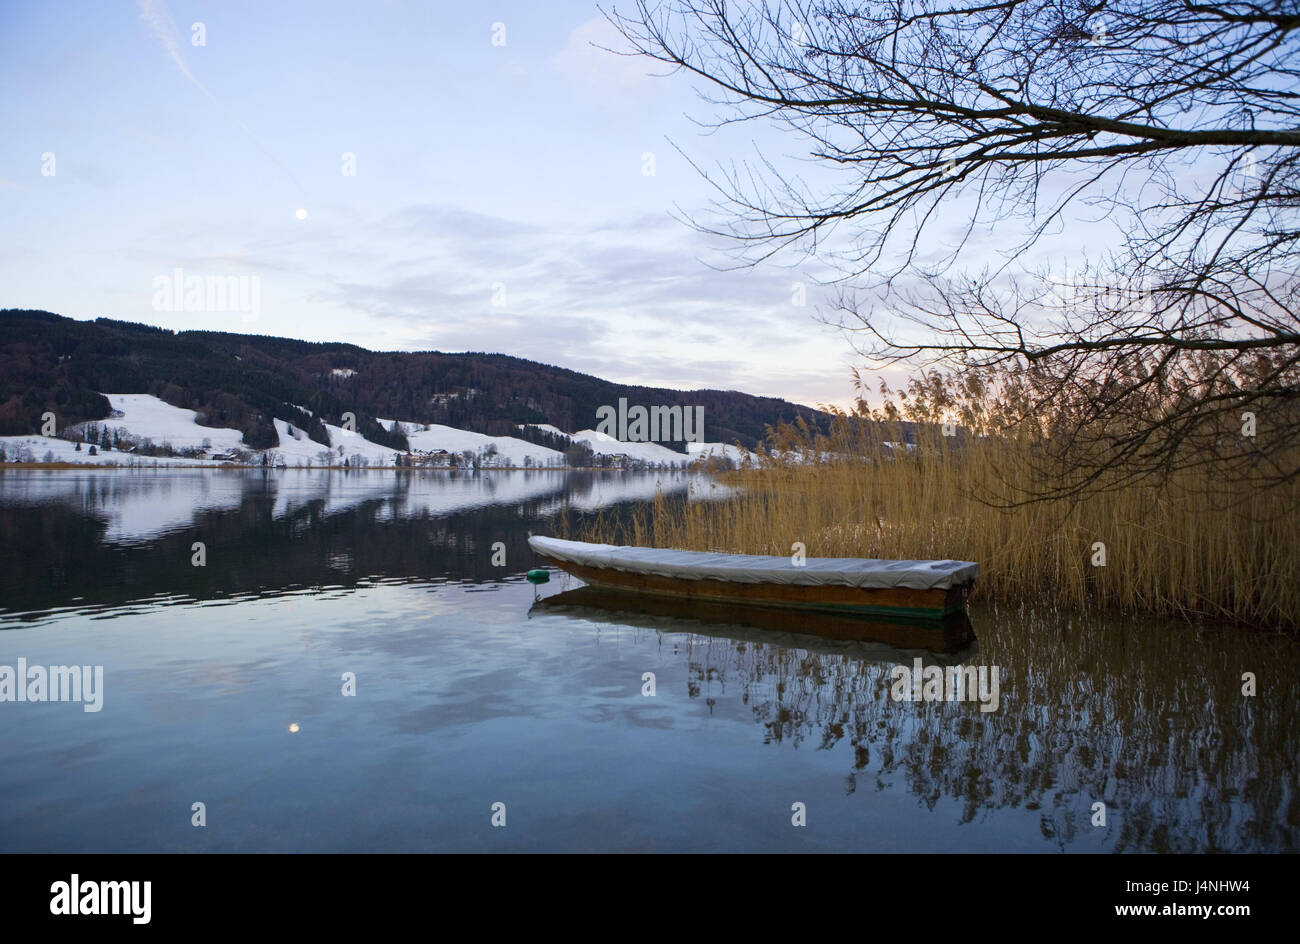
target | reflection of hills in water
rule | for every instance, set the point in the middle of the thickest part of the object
(140, 506)
(1147, 718)
(97, 540)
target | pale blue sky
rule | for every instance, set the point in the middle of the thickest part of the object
(476, 164)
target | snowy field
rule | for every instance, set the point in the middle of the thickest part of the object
(510, 451)
(141, 419)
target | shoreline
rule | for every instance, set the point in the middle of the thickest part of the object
(64, 466)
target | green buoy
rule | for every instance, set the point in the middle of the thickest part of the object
(538, 576)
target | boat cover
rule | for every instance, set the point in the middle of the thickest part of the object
(749, 568)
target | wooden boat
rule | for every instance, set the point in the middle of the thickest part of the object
(847, 585)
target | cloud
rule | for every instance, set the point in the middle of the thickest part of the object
(599, 54)
(624, 302)
(158, 18)
(625, 299)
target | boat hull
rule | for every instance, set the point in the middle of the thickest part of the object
(893, 602)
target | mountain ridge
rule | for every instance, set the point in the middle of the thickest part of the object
(52, 363)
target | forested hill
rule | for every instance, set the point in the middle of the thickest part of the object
(52, 363)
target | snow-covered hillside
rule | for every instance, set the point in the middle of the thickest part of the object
(501, 450)
(350, 445)
(604, 445)
(144, 417)
(49, 449)
(296, 449)
(138, 420)
(144, 421)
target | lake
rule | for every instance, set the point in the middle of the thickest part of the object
(224, 685)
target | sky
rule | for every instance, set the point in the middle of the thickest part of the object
(521, 196)
(401, 176)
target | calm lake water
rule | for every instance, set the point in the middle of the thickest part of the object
(223, 685)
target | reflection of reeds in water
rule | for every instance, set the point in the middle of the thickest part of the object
(1148, 719)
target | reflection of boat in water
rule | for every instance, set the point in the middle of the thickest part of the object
(924, 590)
(818, 631)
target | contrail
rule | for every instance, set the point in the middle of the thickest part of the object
(159, 20)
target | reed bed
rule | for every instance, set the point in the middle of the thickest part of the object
(1192, 544)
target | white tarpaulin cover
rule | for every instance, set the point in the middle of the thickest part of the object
(746, 568)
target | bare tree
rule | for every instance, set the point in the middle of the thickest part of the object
(953, 141)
